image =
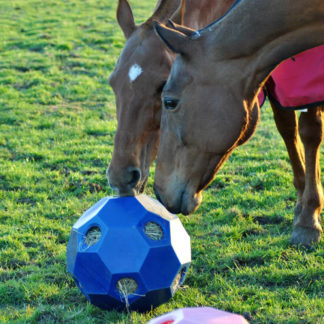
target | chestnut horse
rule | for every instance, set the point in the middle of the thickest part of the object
(137, 80)
(211, 90)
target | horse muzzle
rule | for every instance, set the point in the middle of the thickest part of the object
(179, 201)
(127, 181)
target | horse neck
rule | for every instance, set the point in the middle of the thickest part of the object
(262, 34)
(197, 14)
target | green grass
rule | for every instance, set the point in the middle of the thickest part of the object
(57, 122)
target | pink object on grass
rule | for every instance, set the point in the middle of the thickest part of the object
(199, 315)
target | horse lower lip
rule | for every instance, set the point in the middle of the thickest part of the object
(189, 202)
(184, 204)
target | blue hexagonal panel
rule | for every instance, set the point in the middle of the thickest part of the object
(128, 252)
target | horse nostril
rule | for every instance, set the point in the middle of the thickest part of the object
(134, 176)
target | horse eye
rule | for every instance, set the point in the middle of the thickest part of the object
(170, 103)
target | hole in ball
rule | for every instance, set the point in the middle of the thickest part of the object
(127, 286)
(153, 231)
(93, 236)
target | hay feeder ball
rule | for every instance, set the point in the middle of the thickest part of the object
(199, 315)
(128, 253)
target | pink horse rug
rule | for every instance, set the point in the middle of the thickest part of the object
(199, 315)
(298, 82)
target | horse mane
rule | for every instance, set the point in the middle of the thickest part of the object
(208, 27)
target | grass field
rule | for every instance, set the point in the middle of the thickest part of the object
(57, 122)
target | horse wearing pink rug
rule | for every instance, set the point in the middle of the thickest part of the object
(138, 79)
(209, 95)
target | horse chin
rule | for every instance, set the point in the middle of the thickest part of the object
(190, 203)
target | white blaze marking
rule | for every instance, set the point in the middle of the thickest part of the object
(134, 72)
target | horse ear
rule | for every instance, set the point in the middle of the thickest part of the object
(165, 9)
(125, 18)
(176, 41)
(182, 29)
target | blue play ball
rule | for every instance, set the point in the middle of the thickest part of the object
(128, 253)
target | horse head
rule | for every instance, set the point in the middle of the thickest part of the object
(137, 81)
(211, 91)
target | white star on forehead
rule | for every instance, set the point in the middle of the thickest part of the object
(134, 72)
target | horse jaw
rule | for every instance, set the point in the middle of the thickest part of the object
(182, 172)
